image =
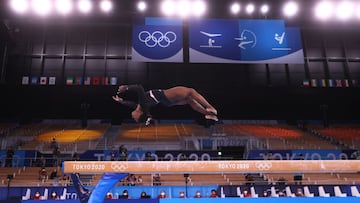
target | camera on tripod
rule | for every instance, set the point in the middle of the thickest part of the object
(10, 176)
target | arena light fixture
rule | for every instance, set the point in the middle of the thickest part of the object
(106, 5)
(168, 7)
(235, 8)
(19, 6)
(357, 11)
(324, 10)
(64, 6)
(250, 8)
(183, 8)
(290, 9)
(141, 6)
(198, 8)
(85, 6)
(345, 10)
(42, 7)
(264, 9)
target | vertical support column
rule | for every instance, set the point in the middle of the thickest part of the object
(287, 74)
(268, 78)
(3, 71)
(306, 59)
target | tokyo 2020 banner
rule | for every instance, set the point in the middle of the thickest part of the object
(243, 41)
(158, 40)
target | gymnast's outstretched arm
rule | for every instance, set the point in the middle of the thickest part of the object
(139, 90)
(127, 103)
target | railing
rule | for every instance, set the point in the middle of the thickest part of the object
(48, 182)
(214, 142)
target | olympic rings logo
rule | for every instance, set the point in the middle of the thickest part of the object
(263, 166)
(118, 167)
(157, 38)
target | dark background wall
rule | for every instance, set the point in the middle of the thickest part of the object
(103, 48)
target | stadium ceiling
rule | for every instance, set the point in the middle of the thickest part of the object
(299, 12)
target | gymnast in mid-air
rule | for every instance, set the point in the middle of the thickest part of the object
(178, 95)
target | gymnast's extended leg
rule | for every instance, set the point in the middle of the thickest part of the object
(184, 95)
(200, 99)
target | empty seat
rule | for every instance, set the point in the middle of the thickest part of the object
(27, 194)
(288, 192)
(307, 192)
(63, 196)
(222, 194)
(238, 192)
(338, 192)
(322, 192)
(273, 192)
(253, 192)
(46, 194)
(354, 191)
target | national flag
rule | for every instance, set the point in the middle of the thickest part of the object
(354, 83)
(338, 83)
(113, 81)
(323, 83)
(52, 80)
(34, 80)
(331, 83)
(69, 80)
(25, 80)
(96, 81)
(87, 81)
(105, 81)
(345, 83)
(79, 81)
(306, 83)
(313, 83)
(43, 80)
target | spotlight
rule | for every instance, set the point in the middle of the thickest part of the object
(290, 9)
(264, 9)
(19, 6)
(168, 7)
(235, 8)
(345, 10)
(250, 8)
(198, 8)
(141, 6)
(106, 5)
(85, 6)
(183, 8)
(324, 10)
(358, 11)
(63, 6)
(41, 7)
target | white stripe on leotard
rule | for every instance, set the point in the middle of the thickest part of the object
(152, 96)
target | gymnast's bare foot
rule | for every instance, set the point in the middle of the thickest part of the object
(211, 110)
(212, 117)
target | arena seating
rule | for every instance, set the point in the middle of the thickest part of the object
(5, 127)
(69, 136)
(29, 176)
(160, 132)
(318, 178)
(4, 172)
(272, 136)
(285, 137)
(348, 134)
(178, 179)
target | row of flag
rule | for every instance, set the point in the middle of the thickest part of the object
(329, 83)
(34, 80)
